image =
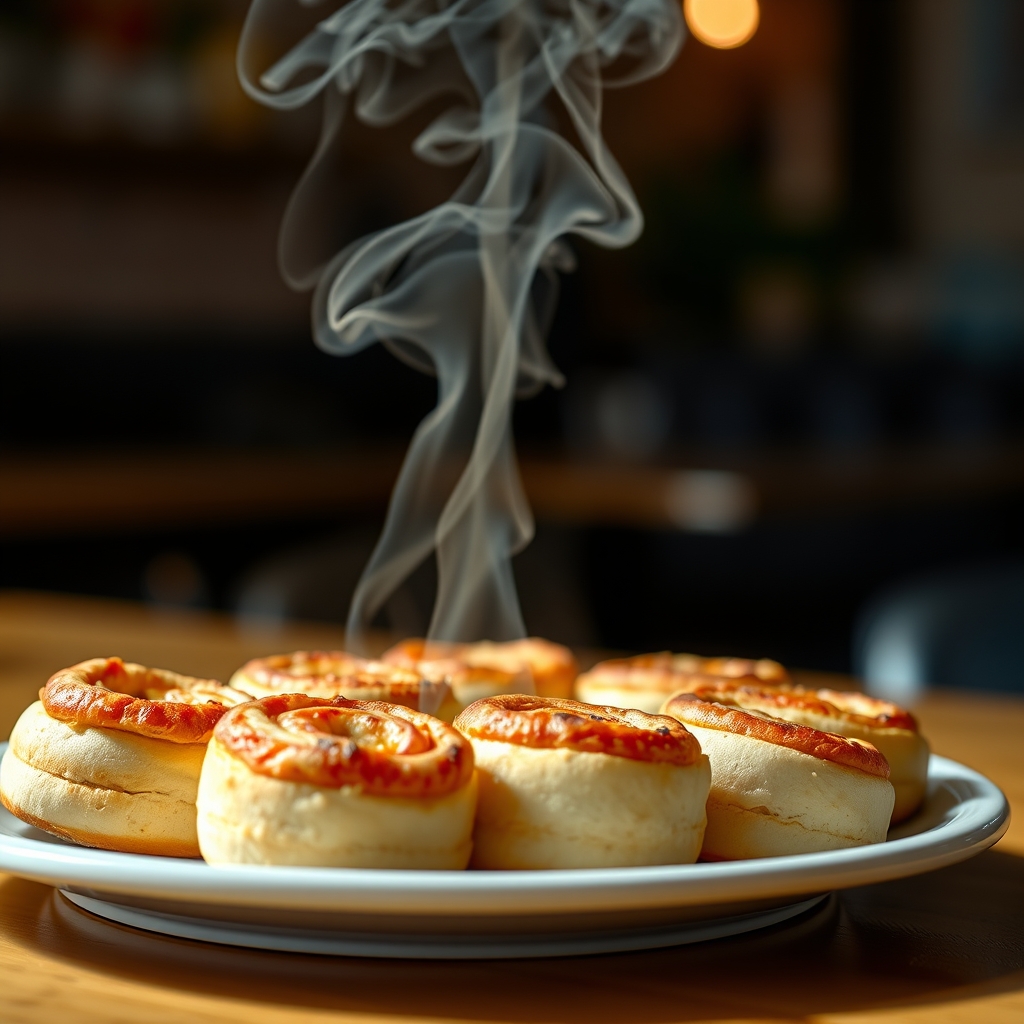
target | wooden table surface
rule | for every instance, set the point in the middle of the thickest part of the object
(944, 947)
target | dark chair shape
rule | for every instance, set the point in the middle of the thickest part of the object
(960, 628)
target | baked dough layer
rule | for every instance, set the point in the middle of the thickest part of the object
(906, 750)
(907, 753)
(648, 697)
(563, 808)
(332, 674)
(107, 788)
(487, 669)
(552, 667)
(245, 817)
(767, 800)
(886, 726)
(646, 681)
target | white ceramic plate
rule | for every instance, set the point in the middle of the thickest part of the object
(483, 914)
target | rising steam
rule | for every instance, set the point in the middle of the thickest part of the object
(467, 289)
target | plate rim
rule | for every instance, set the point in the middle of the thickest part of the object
(976, 821)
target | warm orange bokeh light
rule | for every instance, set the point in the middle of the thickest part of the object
(723, 24)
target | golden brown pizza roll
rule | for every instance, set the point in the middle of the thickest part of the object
(340, 674)
(571, 785)
(889, 728)
(645, 682)
(330, 782)
(486, 669)
(781, 788)
(110, 756)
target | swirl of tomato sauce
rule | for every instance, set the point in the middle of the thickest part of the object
(383, 749)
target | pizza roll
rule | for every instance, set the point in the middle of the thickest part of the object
(340, 674)
(570, 785)
(781, 788)
(110, 756)
(331, 782)
(648, 680)
(486, 669)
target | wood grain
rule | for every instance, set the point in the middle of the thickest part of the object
(943, 947)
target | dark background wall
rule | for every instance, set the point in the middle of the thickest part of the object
(806, 307)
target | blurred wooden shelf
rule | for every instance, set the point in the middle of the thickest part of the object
(93, 493)
(48, 495)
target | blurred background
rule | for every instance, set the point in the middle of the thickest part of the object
(794, 411)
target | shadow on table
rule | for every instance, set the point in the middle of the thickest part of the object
(950, 935)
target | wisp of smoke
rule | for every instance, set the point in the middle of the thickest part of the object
(467, 289)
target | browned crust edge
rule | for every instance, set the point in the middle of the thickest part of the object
(273, 669)
(659, 663)
(690, 709)
(550, 722)
(829, 704)
(98, 693)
